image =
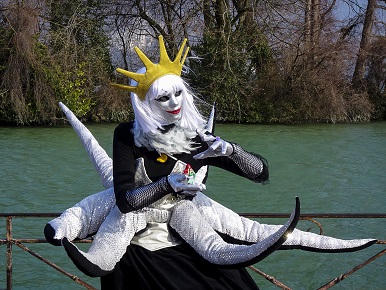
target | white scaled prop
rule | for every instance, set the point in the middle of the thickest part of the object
(197, 231)
(102, 162)
(198, 222)
(227, 222)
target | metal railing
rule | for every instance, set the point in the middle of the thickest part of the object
(9, 241)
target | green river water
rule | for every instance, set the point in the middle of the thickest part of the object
(333, 168)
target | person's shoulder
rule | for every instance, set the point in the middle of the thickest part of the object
(124, 130)
(125, 126)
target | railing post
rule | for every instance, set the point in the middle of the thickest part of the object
(9, 252)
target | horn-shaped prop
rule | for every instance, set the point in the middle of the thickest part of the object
(102, 162)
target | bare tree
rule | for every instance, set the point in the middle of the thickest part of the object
(360, 68)
(23, 79)
(294, 54)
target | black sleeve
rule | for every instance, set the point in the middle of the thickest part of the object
(243, 163)
(123, 164)
(129, 198)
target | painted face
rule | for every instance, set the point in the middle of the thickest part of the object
(167, 105)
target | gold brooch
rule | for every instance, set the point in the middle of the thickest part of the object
(162, 158)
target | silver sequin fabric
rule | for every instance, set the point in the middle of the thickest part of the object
(228, 222)
(187, 220)
(115, 230)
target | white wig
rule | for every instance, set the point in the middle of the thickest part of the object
(147, 123)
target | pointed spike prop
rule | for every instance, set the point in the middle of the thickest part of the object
(145, 60)
(178, 57)
(210, 124)
(129, 74)
(200, 175)
(102, 162)
(163, 55)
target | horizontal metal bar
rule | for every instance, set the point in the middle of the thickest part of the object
(37, 241)
(260, 215)
(316, 215)
(87, 241)
(30, 214)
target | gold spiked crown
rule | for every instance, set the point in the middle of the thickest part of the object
(154, 71)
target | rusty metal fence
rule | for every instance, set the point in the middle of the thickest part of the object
(9, 241)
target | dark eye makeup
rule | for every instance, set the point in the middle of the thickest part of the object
(167, 97)
(162, 98)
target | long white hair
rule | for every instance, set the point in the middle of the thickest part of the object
(148, 126)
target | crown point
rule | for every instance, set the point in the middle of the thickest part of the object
(146, 61)
(154, 71)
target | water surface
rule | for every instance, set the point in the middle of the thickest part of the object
(332, 168)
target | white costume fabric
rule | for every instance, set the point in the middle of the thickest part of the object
(198, 222)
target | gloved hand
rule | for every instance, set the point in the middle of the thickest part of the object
(217, 146)
(179, 184)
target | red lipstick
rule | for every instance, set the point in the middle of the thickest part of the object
(175, 112)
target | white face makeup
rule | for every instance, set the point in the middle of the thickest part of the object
(167, 105)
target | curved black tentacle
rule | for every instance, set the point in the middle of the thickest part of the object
(275, 246)
(81, 262)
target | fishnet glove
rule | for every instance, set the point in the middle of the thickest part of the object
(146, 195)
(253, 165)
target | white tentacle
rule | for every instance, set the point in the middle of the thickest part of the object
(230, 223)
(198, 232)
(102, 162)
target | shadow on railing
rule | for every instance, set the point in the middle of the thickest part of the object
(10, 241)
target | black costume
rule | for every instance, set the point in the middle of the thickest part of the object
(144, 269)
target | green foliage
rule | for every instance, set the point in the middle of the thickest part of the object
(73, 91)
(228, 73)
(68, 63)
(81, 22)
(378, 98)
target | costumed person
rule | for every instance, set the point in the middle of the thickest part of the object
(155, 229)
